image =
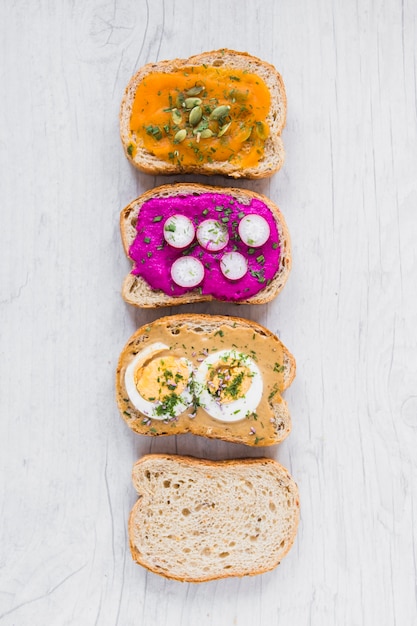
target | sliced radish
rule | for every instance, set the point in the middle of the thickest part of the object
(254, 230)
(233, 265)
(179, 231)
(212, 235)
(187, 271)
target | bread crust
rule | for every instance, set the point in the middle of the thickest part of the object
(274, 151)
(135, 289)
(275, 426)
(189, 463)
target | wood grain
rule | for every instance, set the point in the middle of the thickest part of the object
(348, 191)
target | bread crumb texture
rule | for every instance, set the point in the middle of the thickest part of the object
(199, 520)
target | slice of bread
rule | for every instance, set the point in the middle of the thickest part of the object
(137, 291)
(261, 421)
(199, 520)
(273, 152)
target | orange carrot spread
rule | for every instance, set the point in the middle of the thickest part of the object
(201, 114)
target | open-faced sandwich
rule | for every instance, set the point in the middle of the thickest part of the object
(219, 112)
(193, 243)
(211, 375)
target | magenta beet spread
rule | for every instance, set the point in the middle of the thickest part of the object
(153, 257)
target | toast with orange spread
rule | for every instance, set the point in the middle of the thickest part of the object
(219, 112)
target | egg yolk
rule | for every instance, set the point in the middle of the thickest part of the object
(161, 377)
(228, 382)
(201, 114)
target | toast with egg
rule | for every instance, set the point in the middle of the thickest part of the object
(198, 520)
(144, 226)
(216, 376)
(219, 112)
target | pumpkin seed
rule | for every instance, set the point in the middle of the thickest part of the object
(224, 130)
(206, 133)
(220, 112)
(244, 136)
(190, 103)
(176, 116)
(194, 91)
(261, 130)
(200, 127)
(195, 115)
(180, 136)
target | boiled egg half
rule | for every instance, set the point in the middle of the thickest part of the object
(158, 384)
(229, 385)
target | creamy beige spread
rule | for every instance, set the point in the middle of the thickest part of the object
(195, 344)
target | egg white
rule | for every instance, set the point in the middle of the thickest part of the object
(147, 407)
(237, 409)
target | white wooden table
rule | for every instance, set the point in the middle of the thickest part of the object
(348, 313)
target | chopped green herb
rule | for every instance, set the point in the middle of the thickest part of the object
(168, 405)
(147, 240)
(233, 388)
(130, 149)
(158, 218)
(155, 131)
(273, 392)
(279, 368)
(258, 275)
